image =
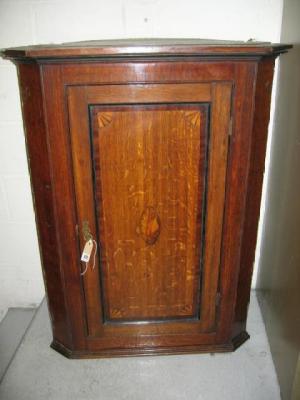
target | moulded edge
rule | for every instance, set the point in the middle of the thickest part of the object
(231, 346)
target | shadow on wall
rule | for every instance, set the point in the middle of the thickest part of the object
(279, 273)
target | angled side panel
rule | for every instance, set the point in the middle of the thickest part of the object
(261, 119)
(38, 159)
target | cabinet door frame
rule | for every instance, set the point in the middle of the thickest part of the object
(218, 95)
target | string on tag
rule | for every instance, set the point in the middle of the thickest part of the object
(85, 269)
(86, 254)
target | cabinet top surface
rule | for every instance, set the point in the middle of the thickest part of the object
(144, 47)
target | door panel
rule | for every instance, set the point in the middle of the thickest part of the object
(149, 167)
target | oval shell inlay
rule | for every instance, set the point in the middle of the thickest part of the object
(149, 225)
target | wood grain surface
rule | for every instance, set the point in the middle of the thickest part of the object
(149, 166)
(134, 143)
(100, 48)
(157, 148)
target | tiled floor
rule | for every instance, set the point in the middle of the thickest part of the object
(38, 372)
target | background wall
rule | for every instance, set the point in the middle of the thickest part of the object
(279, 266)
(37, 21)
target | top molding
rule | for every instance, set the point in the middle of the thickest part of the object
(145, 48)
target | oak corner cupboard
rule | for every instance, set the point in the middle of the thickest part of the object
(146, 160)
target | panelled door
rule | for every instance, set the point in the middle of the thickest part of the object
(149, 165)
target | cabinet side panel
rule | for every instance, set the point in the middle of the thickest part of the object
(236, 191)
(256, 172)
(37, 153)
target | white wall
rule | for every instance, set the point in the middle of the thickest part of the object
(279, 273)
(40, 21)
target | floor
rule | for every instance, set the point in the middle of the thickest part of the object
(38, 372)
(12, 330)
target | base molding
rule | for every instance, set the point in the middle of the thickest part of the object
(236, 342)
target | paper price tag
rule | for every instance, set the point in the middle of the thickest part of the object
(87, 251)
